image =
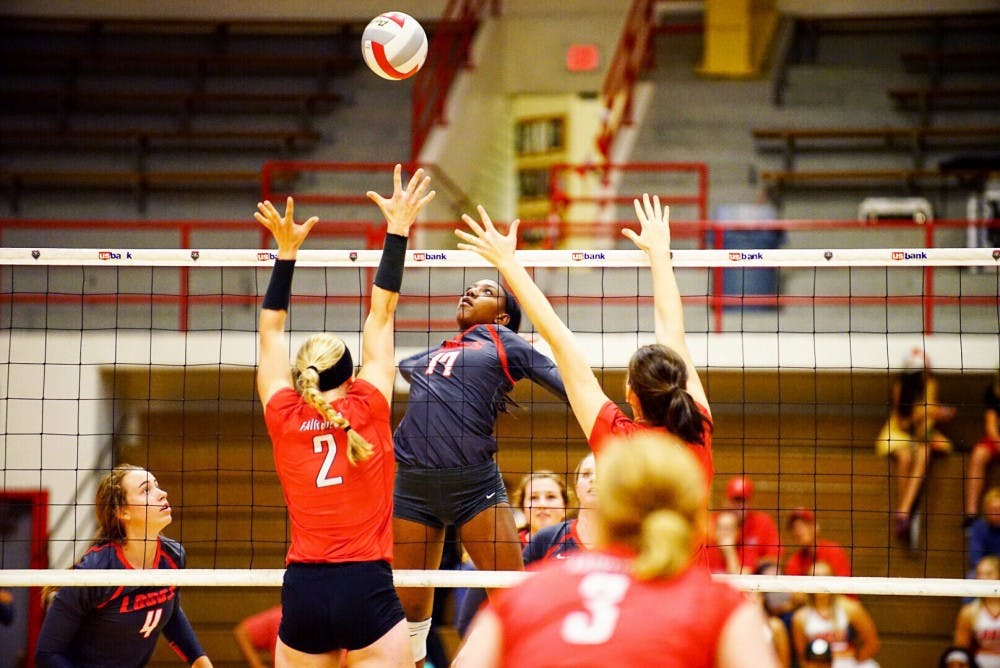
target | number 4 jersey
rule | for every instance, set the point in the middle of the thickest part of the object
(116, 627)
(590, 611)
(339, 512)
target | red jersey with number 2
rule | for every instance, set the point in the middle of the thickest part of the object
(339, 512)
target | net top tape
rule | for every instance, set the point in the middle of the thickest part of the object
(896, 586)
(746, 258)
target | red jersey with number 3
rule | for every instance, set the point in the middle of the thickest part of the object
(589, 610)
(339, 512)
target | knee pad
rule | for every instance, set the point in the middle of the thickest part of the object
(418, 637)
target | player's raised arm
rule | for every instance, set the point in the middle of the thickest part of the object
(668, 311)
(400, 210)
(582, 388)
(273, 371)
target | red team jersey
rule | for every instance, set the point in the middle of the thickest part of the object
(588, 610)
(612, 421)
(339, 512)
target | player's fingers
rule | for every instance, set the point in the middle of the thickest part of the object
(631, 235)
(411, 186)
(473, 224)
(290, 209)
(309, 224)
(427, 198)
(485, 217)
(397, 178)
(639, 212)
(512, 230)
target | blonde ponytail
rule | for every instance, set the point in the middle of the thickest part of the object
(322, 351)
(651, 498)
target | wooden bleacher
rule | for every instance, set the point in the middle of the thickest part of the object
(928, 99)
(146, 87)
(805, 438)
(916, 140)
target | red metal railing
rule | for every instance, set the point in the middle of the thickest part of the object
(447, 53)
(631, 54)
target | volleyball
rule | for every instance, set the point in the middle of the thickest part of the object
(394, 45)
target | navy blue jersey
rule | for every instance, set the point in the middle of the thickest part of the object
(116, 627)
(557, 540)
(456, 391)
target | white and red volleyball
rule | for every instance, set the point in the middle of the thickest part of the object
(394, 45)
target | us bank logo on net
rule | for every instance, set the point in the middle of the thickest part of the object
(419, 256)
(580, 256)
(264, 256)
(111, 255)
(906, 255)
(735, 256)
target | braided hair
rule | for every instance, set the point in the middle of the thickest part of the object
(319, 353)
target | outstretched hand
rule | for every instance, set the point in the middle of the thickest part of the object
(286, 232)
(654, 234)
(401, 208)
(487, 241)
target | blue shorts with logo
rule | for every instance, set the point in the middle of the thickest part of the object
(445, 497)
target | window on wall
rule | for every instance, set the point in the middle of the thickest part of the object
(533, 136)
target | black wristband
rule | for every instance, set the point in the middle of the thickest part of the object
(279, 288)
(390, 267)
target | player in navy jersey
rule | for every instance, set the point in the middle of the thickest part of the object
(580, 533)
(445, 444)
(117, 626)
(662, 387)
(331, 434)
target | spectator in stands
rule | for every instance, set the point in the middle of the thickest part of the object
(543, 499)
(977, 629)
(984, 451)
(119, 625)
(640, 599)
(579, 533)
(984, 534)
(833, 629)
(802, 524)
(663, 389)
(775, 630)
(555, 540)
(756, 535)
(910, 436)
(6, 607)
(330, 430)
(258, 634)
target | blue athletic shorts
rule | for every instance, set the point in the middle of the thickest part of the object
(326, 607)
(443, 497)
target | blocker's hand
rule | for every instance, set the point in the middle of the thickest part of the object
(494, 247)
(654, 233)
(286, 232)
(401, 208)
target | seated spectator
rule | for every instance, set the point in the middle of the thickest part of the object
(543, 499)
(546, 525)
(6, 607)
(910, 436)
(774, 629)
(756, 535)
(580, 533)
(257, 635)
(802, 524)
(984, 534)
(833, 629)
(984, 451)
(977, 629)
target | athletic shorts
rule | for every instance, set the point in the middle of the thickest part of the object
(443, 497)
(326, 607)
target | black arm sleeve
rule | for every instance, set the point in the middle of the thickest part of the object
(59, 628)
(181, 636)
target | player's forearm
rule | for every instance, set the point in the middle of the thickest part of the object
(535, 305)
(668, 311)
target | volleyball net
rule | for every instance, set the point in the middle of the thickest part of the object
(148, 357)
